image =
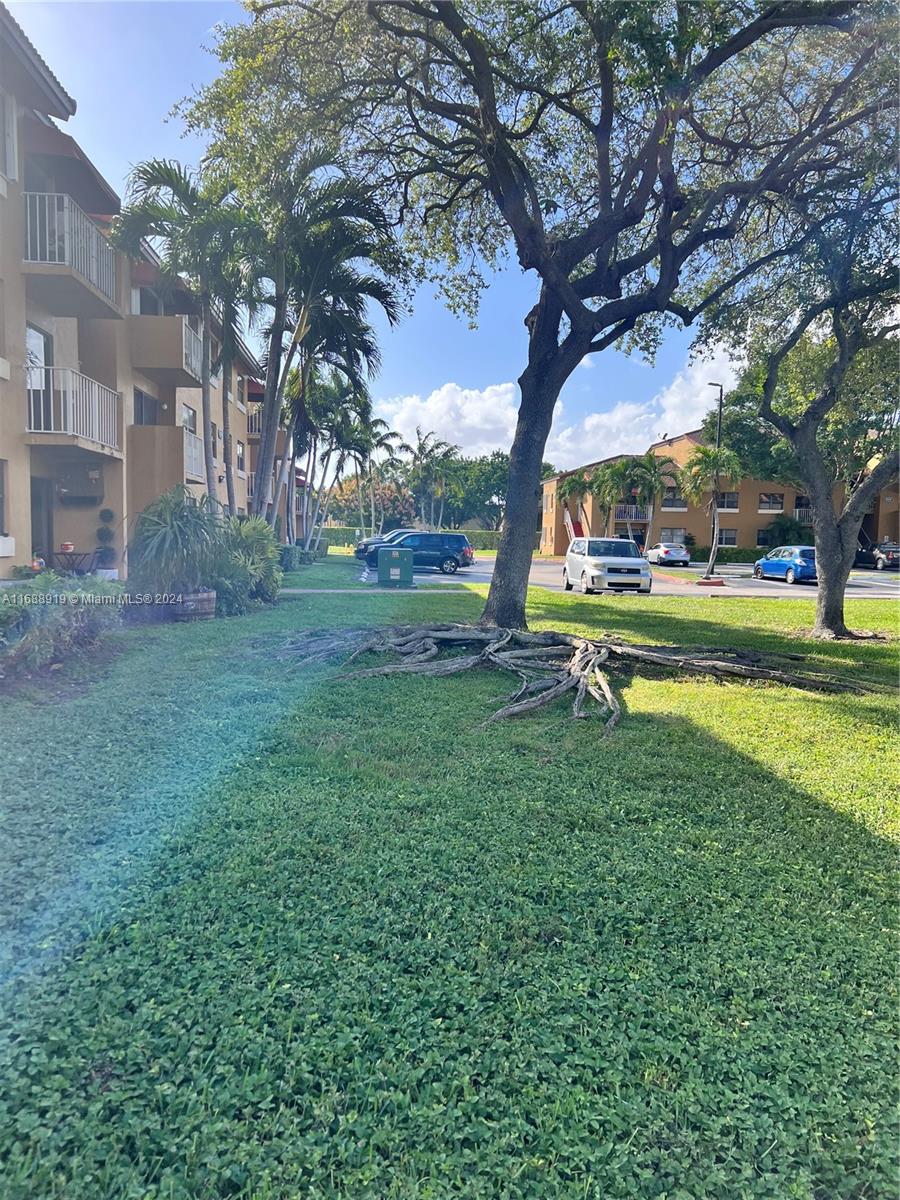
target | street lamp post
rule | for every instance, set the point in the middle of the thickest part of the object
(712, 532)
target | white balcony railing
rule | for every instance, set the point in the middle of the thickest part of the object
(803, 515)
(254, 420)
(61, 400)
(193, 455)
(57, 231)
(630, 512)
(193, 350)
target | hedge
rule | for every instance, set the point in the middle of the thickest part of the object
(481, 539)
(728, 554)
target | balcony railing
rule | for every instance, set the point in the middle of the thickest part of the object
(193, 455)
(61, 400)
(630, 512)
(193, 350)
(803, 515)
(254, 420)
(57, 231)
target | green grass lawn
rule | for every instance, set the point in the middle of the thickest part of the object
(272, 935)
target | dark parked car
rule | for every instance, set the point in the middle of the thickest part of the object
(446, 551)
(382, 539)
(880, 558)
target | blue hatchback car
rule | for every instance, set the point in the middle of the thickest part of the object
(793, 564)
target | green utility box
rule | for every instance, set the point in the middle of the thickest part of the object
(395, 567)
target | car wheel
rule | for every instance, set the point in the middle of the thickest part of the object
(879, 564)
(567, 585)
(586, 588)
(757, 573)
(790, 577)
(449, 566)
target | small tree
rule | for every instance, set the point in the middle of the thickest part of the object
(704, 474)
(652, 474)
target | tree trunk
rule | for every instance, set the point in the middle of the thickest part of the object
(319, 490)
(509, 584)
(359, 497)
(227, 366)
(372, 496)
(271, 414)
(285, 465)
(714, 548)
(648, 540)
(206, 415)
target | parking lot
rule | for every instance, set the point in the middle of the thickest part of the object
(863, 584)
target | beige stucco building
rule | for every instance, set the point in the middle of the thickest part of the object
(744, 514)
(99, 367)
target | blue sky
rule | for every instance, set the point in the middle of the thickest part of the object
(127, 63)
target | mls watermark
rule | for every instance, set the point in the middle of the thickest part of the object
(10, 598)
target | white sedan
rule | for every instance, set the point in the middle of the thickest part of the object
(669, 554)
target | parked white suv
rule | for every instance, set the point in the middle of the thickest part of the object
(606, 565)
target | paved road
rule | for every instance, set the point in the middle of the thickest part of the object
(863, 585)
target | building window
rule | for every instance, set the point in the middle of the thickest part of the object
(762, 537)
(145, 302)
(241, 393)
(215, 439)
(771, 502)
(146, 408)
(215, 349)
(4, 528)
(672, 535)
(189, 418)
(728, 501)
(727, 537)
(239, 456)
(672, 498)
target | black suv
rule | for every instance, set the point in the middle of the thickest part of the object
(446, 551)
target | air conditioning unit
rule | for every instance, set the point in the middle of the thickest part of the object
(80, 485)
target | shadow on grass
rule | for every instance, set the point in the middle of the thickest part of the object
(403, 956)
(639, 622)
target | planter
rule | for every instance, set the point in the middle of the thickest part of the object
(107, 572)
(716, 581)
(196, 606)
(7, 547)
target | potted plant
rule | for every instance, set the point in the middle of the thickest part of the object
(105, 555)
(174, 551)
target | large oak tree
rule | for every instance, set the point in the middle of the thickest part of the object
(639, 159)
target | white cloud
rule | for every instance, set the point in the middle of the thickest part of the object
(480, 420)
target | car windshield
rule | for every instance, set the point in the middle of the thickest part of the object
(612, 548)
(672, 545)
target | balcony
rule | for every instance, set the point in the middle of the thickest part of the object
(68, 408)
(159, 458)
(630, 512)
(69, 265)
(166, 350)
(254, 420)
(803, 515)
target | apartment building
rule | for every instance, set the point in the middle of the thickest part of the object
(99, 365)
(744, 513)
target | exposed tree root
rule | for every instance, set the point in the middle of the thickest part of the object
(549, 665)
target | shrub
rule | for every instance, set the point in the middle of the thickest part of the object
(247, 564)
(51, 616)
(728, 554)
(289, 557)
(105, 534)
(176, 544)
(106, 515)
(106, 556)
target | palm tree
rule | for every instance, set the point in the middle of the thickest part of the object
(611, 483)
(427, 456)
(651, 475)
(701, 479)
(185, 214)
(572, 490)
(322, 230)
(383, 445)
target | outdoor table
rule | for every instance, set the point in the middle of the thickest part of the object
(72, 562)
